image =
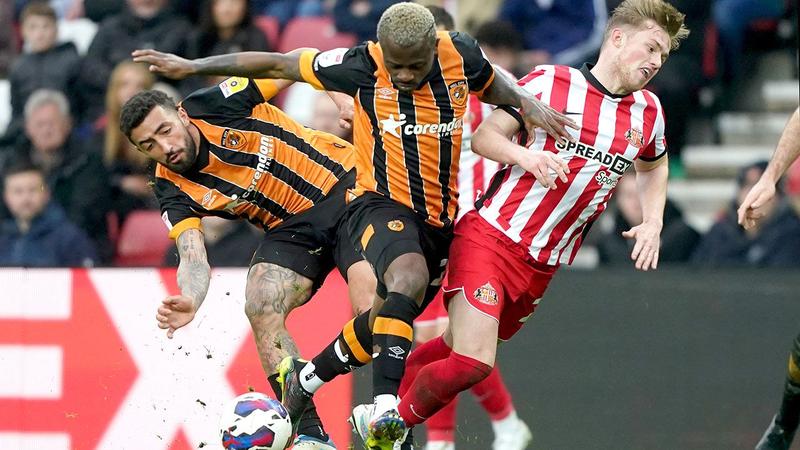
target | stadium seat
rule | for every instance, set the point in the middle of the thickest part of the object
(143, 240)
(270, 27)
(317, 32)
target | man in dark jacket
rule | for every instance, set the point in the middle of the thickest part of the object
(76, 176)
(773, 242)
(143, 24)
(678, 239)
(38, 233)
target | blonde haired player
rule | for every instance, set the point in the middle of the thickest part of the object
(534, 214)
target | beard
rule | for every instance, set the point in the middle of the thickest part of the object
(188, 158)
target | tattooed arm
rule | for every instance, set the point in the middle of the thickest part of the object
(194, 274)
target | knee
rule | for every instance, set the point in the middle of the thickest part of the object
(409, 277)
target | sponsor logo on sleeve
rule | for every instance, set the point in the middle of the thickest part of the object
(233, 85)
(330, 58)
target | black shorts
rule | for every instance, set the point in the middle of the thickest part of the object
(315, 241)
(382, 229)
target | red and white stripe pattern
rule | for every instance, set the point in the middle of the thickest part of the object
(613, 131)
(475, 172)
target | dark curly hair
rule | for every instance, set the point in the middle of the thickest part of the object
(139, 106)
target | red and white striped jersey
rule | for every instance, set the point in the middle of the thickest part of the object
(474, 172)
(614, 130)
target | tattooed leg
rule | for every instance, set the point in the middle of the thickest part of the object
(272, 292)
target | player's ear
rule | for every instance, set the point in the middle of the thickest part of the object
(617, 37)
(183, 116)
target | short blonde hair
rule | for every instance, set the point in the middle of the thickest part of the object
(636, 12)
(407, 24)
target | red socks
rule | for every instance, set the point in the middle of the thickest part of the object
(436, 384)
(493, 396)
(431, 351)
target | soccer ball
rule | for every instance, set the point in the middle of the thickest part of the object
(255, 421)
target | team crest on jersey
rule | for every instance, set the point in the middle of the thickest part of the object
(386, 93)
(486, 294)
(458, 92)
(395, 225)
(232, 139)
(635, 137)
(233, 85)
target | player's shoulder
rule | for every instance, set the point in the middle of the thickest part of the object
(652, 96)
(163, 175)
(232, 97)
(359, 56)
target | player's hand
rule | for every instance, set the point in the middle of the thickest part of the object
(538, 114)
(751, 209)
(166, 64)
(540, 163)
(175, 311)
(346, 107)
(648, 242)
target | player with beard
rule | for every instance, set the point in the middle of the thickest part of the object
(226, 152)
(410, 90)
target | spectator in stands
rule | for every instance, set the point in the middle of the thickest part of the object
(8, 38)
(773, 242)
(360, 17)
(502, 44)
(678, 239)
(64, 9)
(733, 18)
(43, 63)
(76, 177)
(38, 234)
(229, 243)
(286, 10)
(129, 170)
(143, 24)
(225, 27)
(557, 31)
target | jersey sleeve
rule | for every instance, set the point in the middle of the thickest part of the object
(477, 68)
(657, 146)
(233, 97)
(341, 69)
(177, 209)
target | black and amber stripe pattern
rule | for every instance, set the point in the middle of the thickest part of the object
(265, 167)
(408, 144)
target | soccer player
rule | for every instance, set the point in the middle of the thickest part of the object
(780, 433)
(410, 93)
(226, 152)
(474, 173)
(534, 215)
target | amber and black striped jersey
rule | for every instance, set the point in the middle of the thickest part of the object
(407, 144)
(253, 161)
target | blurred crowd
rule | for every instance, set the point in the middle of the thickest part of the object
(76, 193)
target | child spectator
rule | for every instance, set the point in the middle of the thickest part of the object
(43, 63)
